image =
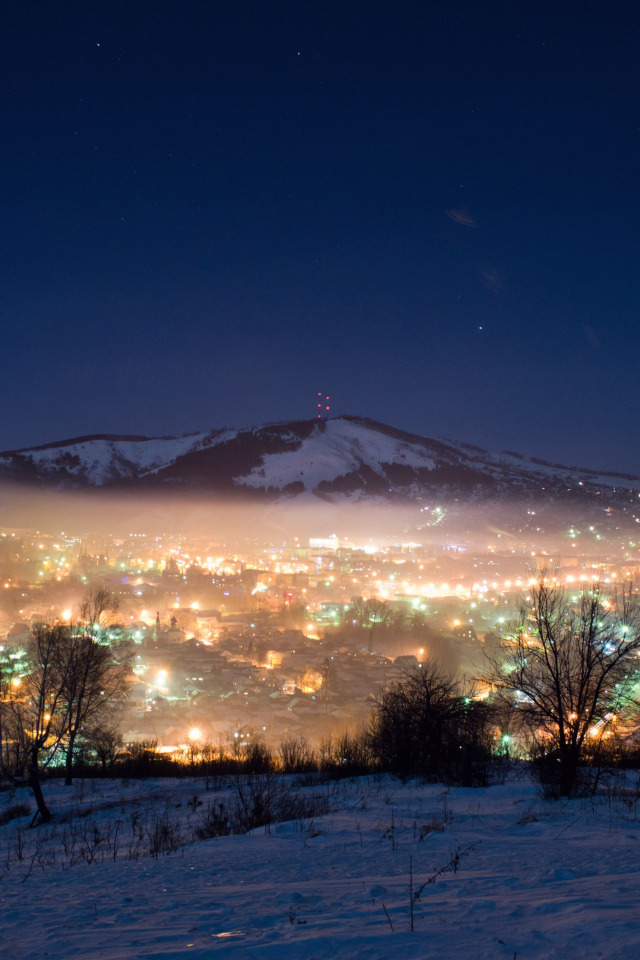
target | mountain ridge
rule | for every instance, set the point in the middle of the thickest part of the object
(340, 457)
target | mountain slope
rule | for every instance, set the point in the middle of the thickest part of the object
(342, 457)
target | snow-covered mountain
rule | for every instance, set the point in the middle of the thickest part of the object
(342, 457)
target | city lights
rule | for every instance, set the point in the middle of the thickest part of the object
(298, 634)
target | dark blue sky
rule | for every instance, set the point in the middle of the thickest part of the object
(429, 210)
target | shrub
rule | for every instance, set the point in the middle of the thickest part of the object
(424, 725)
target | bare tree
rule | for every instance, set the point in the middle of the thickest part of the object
(12, 759)
(69, 681)
(97, 610)
(33, 712)
(569, 670)
(106, 742)
(93, 679)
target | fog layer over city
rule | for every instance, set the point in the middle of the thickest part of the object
(101, 513)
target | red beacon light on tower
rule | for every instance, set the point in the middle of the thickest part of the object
(322, 401)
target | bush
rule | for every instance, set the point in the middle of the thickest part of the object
(217, 823)
(347, 755)
(164, 834)
(258, 759)
(296, 756)
(12, 813)
(424, 725)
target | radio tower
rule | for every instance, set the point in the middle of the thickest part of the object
(322, 401)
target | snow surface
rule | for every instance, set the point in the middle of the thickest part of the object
(537, 880)
(102, 459)
(341, 447)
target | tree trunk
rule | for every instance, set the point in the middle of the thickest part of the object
(569, 761)
(68, 780)
(36, 787)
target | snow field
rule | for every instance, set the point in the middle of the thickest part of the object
(539, 879)
(103, 459)
(342, 447)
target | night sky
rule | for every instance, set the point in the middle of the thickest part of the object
(428, 210)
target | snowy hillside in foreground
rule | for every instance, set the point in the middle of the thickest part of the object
(350, 457)
(536, 880)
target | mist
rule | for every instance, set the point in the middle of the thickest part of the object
(479, 526)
